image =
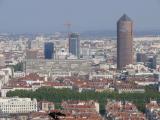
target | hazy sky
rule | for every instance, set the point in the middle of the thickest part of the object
(22, 16)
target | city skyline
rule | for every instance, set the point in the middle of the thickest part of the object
(79, 60)
(20, 16)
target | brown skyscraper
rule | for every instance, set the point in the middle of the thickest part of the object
(124, 42)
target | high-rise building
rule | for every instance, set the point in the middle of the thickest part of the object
(151, 61)
(2, 60)
(141, 57)
(74, 44)
(124, 42)
(29, 44)
(49, 50)
(31, 54)
(158, 59)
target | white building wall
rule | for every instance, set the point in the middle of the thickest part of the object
(18, 105)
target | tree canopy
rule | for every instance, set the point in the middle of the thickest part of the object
(59, 95)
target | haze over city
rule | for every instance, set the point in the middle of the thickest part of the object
(47, 16)
(79, 60)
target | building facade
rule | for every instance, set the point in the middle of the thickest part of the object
(74, 44)
(122, 110)
(31, 54)
(141, 57)
(46, 106)
(18, 105)
(2, 60)
(124, 42)
(49, 50)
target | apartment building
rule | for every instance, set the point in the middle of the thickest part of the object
(18, 105)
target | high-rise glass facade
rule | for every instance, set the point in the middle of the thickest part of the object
(74, 44)
(49, 50)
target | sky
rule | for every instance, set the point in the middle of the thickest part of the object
(32, 16)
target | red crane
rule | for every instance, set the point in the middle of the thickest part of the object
(68, 25)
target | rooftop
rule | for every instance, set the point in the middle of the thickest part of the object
(124, 18)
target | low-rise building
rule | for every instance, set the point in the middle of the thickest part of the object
(81, 110)
(153, 110)
(19, 74)
(123, 110)
(124, 87)
(45, 106)
(18, 105)
(81, 106)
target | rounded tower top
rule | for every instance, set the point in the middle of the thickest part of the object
(124, 18)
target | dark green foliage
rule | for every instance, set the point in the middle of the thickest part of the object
(58, 95)
(17, 67)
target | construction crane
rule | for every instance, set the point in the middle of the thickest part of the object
(68, 25)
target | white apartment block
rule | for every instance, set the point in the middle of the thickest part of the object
(18, 105)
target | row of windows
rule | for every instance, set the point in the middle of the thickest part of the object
(25, 110)
(19, 111)
(17, 105)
